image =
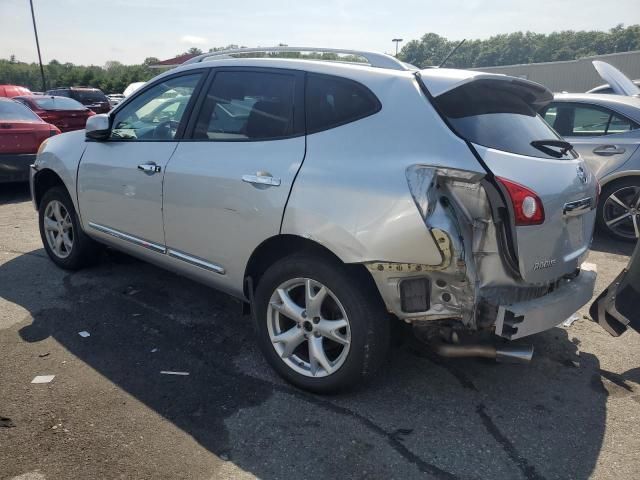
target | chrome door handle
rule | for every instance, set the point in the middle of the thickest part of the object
(150, 168)
(261, 180)
(607, 150)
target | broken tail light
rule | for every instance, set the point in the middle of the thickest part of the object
(527, 206)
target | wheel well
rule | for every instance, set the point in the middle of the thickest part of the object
(44, 180)
(280, 246)
(615, 180)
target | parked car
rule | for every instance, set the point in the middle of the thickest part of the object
(605, 131)
(132, 87)
(63, 112)
(91, 98)
(608, 89)
(13, 91)
(333, 198)
(21, 133)
(115, 98)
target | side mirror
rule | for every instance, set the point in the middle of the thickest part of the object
(98, 127)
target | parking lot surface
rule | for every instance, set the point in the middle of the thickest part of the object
(573, 413)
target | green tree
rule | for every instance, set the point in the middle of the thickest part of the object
(521, 47)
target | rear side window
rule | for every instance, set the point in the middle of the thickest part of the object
(88, 96)
(16, 111)
(58, 103)
(495, 115)
(248, 106)
(572, 120)
(333, 101)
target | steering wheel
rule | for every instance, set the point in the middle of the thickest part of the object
(166, 130)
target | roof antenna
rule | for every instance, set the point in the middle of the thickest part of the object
(451, 53)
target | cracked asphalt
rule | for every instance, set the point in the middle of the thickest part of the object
(573, 413)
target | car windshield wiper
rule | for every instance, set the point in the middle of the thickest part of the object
(543, 146)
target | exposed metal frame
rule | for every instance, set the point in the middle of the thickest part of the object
(374, 59)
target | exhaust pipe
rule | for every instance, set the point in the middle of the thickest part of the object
(510, 354)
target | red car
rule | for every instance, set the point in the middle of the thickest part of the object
(21, 133)
(13, 90)
(65, 113)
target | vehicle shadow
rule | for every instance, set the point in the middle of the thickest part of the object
(606, 244)
(422, 416)
(16, 192)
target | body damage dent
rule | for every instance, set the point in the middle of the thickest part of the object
(471, 281)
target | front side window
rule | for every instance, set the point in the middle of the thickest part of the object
(245, 106)
(572, 120)
(155, 114)
(333, 101)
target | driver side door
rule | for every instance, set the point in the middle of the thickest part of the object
(120, 180)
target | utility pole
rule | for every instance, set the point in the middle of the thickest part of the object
(397, 40)
(35, 30)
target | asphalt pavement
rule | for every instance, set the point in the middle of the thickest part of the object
(109, 412)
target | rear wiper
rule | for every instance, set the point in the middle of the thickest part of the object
(543, 146)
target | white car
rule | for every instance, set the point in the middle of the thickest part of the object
(334, 199)
(115, 98)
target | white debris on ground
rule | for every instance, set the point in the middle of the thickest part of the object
(84, 334)
(42, 378)
(167, 372)
(569, 321)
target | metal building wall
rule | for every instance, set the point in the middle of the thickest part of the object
(574, 75)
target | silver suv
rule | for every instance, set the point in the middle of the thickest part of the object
(332, 197)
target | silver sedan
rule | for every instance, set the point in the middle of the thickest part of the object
(605, 130)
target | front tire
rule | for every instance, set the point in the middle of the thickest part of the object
(62, 236)
(618, 213)
(321, 326)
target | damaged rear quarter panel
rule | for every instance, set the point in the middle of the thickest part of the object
(351, 194)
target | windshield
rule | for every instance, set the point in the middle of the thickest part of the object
(58, 103)
(495, 115)
(88, 96)
(16, 111)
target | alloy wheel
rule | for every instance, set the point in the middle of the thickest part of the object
(308, 327)
(58, 229)
(621, 212)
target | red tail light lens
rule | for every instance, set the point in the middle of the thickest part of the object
(527, 206)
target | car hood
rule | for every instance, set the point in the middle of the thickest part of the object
(619, 82)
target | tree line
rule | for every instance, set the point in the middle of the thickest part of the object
(520, 47)
(431, 49)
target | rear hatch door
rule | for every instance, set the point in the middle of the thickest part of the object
(497, 116)
(616, 308)
(69, 119)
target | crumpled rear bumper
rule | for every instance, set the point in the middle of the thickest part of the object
(533, 316)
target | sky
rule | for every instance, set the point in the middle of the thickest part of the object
(94, 32)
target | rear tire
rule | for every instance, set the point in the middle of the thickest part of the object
(62, 236)
(333, 336)
(625, 191)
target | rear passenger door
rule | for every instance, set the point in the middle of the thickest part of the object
(227, 184)
(602, 137)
